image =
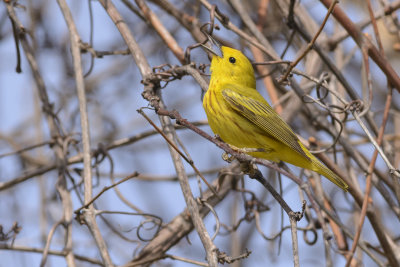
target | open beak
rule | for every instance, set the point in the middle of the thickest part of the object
(213, 46)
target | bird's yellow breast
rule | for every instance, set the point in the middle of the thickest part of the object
(235, 129)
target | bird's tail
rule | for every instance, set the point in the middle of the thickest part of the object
(325, 171)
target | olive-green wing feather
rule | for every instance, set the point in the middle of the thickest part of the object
(262, 115)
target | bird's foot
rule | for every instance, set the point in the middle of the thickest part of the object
(229, 158)
(246, 150)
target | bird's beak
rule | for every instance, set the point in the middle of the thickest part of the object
(213, 46)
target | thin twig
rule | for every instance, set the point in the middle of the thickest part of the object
(106, 188)
(89, 215)
(62, 253)
(167, 37)
(363, 41)
(172, 144)
(369, 178)
(180, 226)
(311, 44)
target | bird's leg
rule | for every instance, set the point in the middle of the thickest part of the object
(247, 150)
(229, 158)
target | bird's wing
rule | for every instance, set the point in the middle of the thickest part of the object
(262, 115)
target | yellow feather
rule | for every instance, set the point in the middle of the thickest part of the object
(243, 118)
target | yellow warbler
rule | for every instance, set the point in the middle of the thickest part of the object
(241, 117)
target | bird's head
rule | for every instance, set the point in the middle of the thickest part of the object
(230, 65)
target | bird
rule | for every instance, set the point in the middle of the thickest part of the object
(239, 115)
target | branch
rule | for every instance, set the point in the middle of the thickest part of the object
(89, 213)
(363, 41)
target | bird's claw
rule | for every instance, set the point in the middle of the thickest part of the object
(228, 158)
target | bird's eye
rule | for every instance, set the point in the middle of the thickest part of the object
(232, 60)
